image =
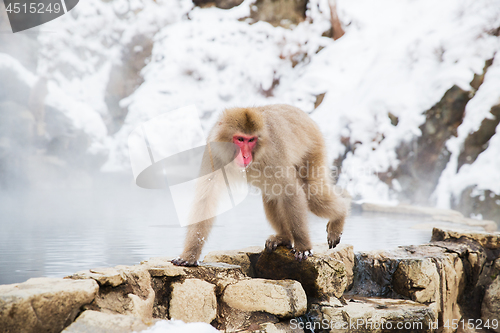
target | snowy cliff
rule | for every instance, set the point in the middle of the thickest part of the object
(375, 92)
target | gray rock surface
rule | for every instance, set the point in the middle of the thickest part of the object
(320, 275)
(220, 274)
(417, 279)
(430, 274)
(285, 13)
(123, 289)
(242, 258)
(343, 253)
(435, 214)
(361, 314)
(193, 300)
(284, 298)
(489, 240)
(490, 309)
(43, 304)
(234, 320)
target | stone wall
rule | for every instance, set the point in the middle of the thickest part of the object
(454, 277)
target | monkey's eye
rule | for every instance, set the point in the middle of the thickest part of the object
(240, 139)
(251, 140)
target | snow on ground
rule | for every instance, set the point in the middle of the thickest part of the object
(178, 326)
(397, 56)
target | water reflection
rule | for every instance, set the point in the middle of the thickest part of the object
(54, 234)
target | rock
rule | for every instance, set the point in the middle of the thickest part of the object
(242, 258)
(285, 13)
(43, 304)
(285, 298)
(343, 253)
(281, 327)
(164, 274)
(431, 274)
(123, 289)
(373, 274)
(223, 4)
(417, 279)
(473, 200)
(99, 322)
(193, 300)
(487, 225)
(402, 209)
(163, 267)
(220, 274)
(488, 240)
(490, 309)
(104, 276)
(234, 320)
(452, 285)
(320, 275)
(477, 142)
(374, 315)
(439, 280)
(435, 214)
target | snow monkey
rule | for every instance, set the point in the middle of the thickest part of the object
(283, 154)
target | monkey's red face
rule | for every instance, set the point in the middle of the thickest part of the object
(247, 144)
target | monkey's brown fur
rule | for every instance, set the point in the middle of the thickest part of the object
(287, 140)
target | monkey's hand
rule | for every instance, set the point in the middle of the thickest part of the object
(274, 241)
(181, 262)
(333, 234)
(333, 241)
(302, 255)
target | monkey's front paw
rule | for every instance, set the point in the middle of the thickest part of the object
(334, 231)
(333, 241)
(274, 241)
(181, 262)
(302, 255)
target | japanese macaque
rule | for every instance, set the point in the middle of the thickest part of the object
(283, 154)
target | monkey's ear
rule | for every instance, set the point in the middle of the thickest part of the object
(220, 123)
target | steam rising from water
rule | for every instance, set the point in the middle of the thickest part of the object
(57, 232)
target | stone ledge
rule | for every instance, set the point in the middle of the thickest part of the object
(371, 314)
(122, 290)
(43, 304)
(487, 240)
(284, 298)
(320, 275)
(442, 280)
(434, 214)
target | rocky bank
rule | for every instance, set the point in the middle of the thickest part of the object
(451, 283)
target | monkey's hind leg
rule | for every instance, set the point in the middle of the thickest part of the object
(325, 203)
(295, 213)
(283, 234)
(288, 216)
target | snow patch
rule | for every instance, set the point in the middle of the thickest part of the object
(178, 326)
